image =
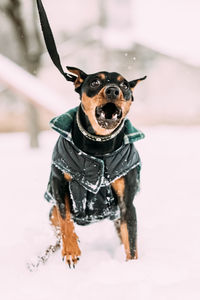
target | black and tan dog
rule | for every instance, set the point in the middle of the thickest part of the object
(95, 166)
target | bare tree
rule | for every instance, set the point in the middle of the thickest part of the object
(14, 11)
(29, 58)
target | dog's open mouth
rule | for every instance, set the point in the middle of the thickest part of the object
(108, 116)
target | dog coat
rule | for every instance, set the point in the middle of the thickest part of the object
(90, 187)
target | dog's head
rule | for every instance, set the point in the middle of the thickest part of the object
(106, 98)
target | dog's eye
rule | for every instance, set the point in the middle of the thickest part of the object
(124, 85)
(95, 83)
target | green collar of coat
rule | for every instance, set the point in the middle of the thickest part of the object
(63, 125)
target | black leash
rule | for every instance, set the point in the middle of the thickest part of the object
(50, 42)
(42, 259)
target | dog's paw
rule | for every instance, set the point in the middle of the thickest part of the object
(129, 256)
(71, 251)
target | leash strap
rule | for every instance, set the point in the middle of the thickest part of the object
(42, 259)
(50, 42)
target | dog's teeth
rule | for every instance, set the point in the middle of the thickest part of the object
(102, 115)
(114, 117)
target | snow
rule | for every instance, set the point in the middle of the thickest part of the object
(168, 212)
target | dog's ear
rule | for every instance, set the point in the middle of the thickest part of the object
(133, 83)
(79, 79)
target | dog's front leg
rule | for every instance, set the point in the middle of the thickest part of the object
(127, 225)
(70, 249)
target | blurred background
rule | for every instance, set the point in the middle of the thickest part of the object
(133, 37)
(157, 38)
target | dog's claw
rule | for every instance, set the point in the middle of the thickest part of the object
(71, 260)
(69, 263)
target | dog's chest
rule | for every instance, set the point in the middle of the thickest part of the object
(90, 189)
(91, 193)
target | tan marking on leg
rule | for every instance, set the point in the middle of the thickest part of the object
(136, 252)
(70, 248)
(117, 226)
(54, 217)
(125, 240)
(119, 186)
(67, 176)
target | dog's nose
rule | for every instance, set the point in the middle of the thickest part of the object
(112, 92)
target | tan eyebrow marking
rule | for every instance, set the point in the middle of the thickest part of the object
(120, 78)
(102, 76)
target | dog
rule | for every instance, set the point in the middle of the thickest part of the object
(95, 169)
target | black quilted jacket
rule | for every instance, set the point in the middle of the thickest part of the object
(91, 193)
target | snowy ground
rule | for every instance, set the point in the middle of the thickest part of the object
(168, 215)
